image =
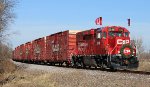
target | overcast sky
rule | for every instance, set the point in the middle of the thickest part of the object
(39, 18)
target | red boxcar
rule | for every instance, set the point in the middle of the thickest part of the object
(38, 50)
(22, 52)
(60, 46)
(17, 53)
(28, 51)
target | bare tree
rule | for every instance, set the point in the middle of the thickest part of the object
(6, 18)
(139, 46)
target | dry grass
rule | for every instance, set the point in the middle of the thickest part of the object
(28, 79)
(6, 66)
(144, 65)
(41, 79)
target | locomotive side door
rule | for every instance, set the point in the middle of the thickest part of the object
(101, 42)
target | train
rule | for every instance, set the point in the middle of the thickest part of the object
(104, 47)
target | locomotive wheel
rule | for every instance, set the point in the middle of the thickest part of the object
(126, 51)
(73, 61)
(89, 66)
(102, 66)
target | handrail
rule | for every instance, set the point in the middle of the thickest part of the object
(112, 51)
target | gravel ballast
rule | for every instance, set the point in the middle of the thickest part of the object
(71, 77)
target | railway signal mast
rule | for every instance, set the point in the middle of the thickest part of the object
(128, 21)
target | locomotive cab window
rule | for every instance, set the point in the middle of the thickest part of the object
(99, 35)
(119, 34)
(126, 34)
(111, 34)
(115, 34)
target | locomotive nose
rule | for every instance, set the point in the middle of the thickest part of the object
(120, 41)
(117, 46)
(126, 51)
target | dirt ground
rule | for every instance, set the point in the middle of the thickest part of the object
(30, 75)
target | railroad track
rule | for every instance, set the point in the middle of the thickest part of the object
(108, 70)
(134, 72)
(121, 71)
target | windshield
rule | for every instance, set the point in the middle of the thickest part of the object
(115, 34)
(126, 34)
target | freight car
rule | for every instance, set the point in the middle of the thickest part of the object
(105, 47)
(60, 47)
(38, 50)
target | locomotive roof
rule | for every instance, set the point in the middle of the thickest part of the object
(116, 28)
(106, 29)
(70, 32)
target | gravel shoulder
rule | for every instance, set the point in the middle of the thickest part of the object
(51, 76)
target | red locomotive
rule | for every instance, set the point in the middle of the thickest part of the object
(105, 47)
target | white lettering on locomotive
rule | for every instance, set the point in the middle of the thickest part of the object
(127, 51)
(98, 43)
(82, 46)
(120, 41)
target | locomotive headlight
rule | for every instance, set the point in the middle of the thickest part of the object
(118, 55)
(118, 52)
